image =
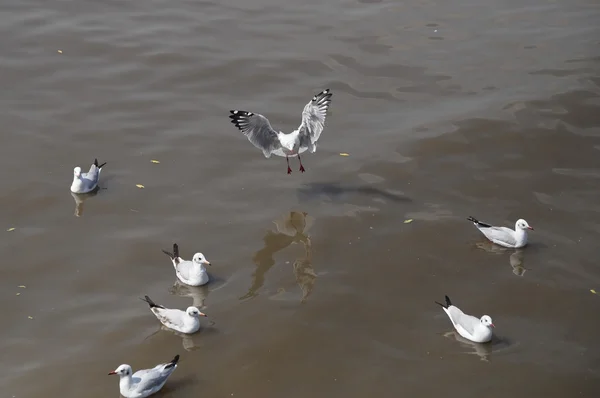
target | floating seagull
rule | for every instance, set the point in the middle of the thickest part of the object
(503, 236)
(182, 321)
(192, 272)
(469, 327)
(146, 382)
(86, 182)
(260, 133)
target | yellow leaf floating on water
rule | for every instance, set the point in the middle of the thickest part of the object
(60, 51)
(408, 221)
(18, 294)
(155, 161)
(139, 186)
(593, 291)
(10, 229)
(30, 317)
(344, 154)
(22, 286)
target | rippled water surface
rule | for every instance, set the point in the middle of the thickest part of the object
(446, 108)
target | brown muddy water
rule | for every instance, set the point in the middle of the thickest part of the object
(446, 108)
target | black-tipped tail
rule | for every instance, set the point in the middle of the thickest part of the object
(478, 223)
(448, 303)
(151, 303)
(96, 164)
(173, 362)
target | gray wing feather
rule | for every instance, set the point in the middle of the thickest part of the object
(313, 119)
(501, 234)
(258, 130)
(92, 175)
(467, 322)
(149, 379)
(184, 269)
(169, 317)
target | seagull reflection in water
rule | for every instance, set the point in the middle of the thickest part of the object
(483, 351)
(516, 258)
(291, 228)
(80, 198)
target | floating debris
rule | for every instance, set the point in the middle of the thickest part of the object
(344, 154)
(30, 317)
(140, 186)
(408, 221)
(18, 294)
(10, 229)
(22, 286)
(59, 51)
(155, 161)
(593, 291)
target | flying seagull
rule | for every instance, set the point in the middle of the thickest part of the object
(260, 133)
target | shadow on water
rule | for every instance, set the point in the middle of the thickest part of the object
(335, 191)
(291, 228)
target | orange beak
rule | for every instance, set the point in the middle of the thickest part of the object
(112, 373)
(203, 314)
(531, 228)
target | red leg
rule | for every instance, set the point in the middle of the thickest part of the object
(301, 167)
(288, 162)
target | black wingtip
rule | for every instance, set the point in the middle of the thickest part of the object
(97, 165)
(323, 94)
(173, 362)
(479, 223)
(151, 303)
(240, 118)
(175, 250)
(448, 303)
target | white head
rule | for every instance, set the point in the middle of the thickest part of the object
(200, 259)
(522, 224)
(77, 172)
(122, 370)
(487, 321)
(194, 312)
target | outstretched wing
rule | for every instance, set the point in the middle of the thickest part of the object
(258, 130)
(313, 119)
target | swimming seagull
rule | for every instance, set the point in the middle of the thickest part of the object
(260, 133)
(86, 182)
(469, 327)
(146, 382)
(192, 272)
(182, 321)
(503, 236)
